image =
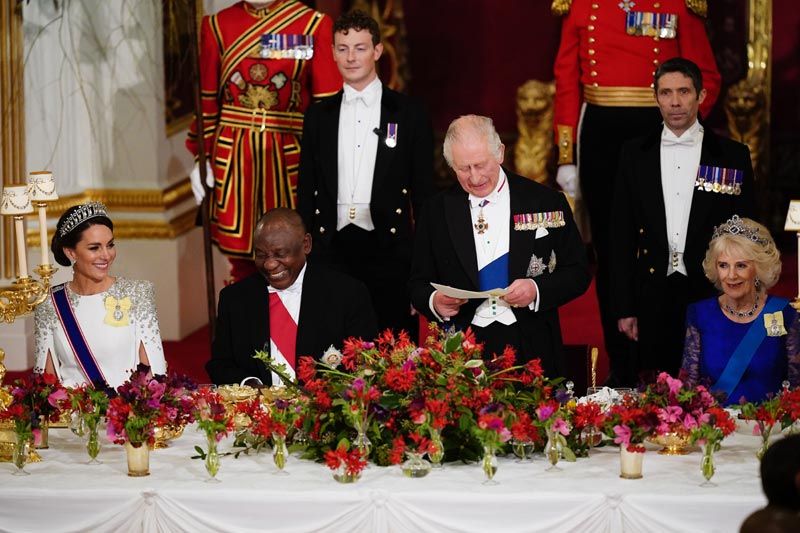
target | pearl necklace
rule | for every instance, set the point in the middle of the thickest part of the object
(742, 314)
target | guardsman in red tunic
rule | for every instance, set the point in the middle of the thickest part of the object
(261, 64)
(604, 71)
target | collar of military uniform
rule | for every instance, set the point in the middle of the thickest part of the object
(262, 12)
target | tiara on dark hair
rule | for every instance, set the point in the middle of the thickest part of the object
(82, 214)
(736, 226)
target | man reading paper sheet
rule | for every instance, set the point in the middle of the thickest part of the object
(496, 229)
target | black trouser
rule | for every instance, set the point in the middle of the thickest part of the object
(662, 325)
(384, 270)
(603, 132)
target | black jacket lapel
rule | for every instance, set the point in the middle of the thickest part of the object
(459, 224)
(329, 151)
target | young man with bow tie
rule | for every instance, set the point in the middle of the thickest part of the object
(673, 186)
(365, 170)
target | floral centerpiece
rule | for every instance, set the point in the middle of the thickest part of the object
(142, 403)
(35, 400)
(213, 419)
(553, 417)
(371, 393)
(90, 404)
(678, 408)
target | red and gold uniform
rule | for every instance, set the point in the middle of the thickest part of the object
(257, 80)
(605, 65)
(600, 63)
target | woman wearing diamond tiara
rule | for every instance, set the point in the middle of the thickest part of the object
(96, 328)
(743, 343)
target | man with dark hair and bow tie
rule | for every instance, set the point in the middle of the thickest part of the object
(365, 171)
(289, 307)
(673, 186)
(497, 230)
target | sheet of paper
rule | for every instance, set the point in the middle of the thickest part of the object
(461, 293)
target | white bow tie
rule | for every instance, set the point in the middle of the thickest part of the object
(351, 95)
(684, 140)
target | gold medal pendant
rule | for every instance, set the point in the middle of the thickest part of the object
(481, 226)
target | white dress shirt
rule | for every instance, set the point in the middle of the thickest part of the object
(290, 296)
(680, 159)
(359, 116)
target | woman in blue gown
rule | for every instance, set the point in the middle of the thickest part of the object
(744, 343)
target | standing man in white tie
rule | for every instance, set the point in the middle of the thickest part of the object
(496, 229)
(365, 171)
(290, 308)
(674, 185)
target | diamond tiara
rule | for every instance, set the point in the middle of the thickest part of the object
(736, 226)
(81, 215)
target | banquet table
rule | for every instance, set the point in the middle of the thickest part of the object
(63, 493)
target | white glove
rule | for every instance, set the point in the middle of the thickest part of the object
(197, 188)
(567, 178)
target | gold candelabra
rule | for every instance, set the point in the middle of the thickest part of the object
(25, 293)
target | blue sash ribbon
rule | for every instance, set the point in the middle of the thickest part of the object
(77, 341)
(740, 360)
(494, 275)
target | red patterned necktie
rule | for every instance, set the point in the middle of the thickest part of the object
(282, 328)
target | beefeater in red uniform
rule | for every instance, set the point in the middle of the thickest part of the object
(261, 64)
(604, 71)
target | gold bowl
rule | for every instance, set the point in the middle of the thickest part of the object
(674, 443)
(164, 434)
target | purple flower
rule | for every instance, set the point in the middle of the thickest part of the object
(543, 412)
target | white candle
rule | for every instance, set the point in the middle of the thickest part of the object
(43, 234)
(23, 261)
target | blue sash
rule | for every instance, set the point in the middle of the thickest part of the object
(494, 275)
(740, 360)
(76, 339)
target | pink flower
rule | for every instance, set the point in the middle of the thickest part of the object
(670, 414)
(623, 435)
(561, 426)
(689, 421)
(58, 396)
(674, 384)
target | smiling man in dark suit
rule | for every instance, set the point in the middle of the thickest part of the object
(673, 186)
(291, 306)
(365, 170)
(495, 229)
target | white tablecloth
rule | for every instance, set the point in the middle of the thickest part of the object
(64, 494)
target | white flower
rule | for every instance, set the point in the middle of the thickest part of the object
(332, 357)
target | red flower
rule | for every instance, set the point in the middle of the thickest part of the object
(399, 380)
(306, 368)
(397, 451)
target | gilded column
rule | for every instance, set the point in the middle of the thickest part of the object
(12, 120)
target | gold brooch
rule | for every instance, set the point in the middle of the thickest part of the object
(117, 311)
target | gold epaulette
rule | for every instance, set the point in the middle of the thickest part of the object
(700, 7)
(561, 7)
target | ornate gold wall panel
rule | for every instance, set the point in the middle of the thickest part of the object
(747, 102)
(12, 119)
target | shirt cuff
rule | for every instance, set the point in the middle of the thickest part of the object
(534, 305)
(430, 305)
